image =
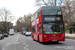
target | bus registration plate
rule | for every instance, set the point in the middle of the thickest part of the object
(54, 40)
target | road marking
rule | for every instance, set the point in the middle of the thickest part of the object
(17, 38)
(14, 39)
(8, 44)
(26, 45)
(16, 42)
(3, 49)
(12, 42)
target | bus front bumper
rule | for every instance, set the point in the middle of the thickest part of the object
(51, 39)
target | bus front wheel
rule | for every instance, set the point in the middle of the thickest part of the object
(33, 37)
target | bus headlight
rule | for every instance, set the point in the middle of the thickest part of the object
(45, 36)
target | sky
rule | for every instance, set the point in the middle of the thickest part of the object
(19, 7)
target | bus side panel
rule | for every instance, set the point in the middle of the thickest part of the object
(41, 37)
(37, 30)
(34, 36)
(41, 34)
(31, 30)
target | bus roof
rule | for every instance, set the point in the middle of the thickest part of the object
(44, 6)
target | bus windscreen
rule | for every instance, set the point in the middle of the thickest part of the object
(53, 28)
(51, 10)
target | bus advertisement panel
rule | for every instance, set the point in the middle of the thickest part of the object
(47, 24)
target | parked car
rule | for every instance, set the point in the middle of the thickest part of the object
(5, 34)
(1, 36)
(28, 34)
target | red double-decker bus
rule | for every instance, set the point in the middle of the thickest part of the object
(23, 31)
(47, 24)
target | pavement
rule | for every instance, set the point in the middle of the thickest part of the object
(70, 36)
(22, 42)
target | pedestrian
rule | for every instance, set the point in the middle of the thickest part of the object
(70, 29)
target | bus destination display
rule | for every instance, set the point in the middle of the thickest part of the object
(49, 18)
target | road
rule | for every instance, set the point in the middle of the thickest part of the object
(21, 42)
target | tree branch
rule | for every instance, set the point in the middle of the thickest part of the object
(45, 2)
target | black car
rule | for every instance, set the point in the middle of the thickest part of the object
(5, 34)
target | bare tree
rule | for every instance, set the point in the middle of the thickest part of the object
(61, 2)
(45, 2)
(38, 2)
(24, 21)
(55, 2)
(69, 12)
(49, 2)
(1, 28)
(5, 17)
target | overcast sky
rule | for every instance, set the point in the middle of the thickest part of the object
(19, 7)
